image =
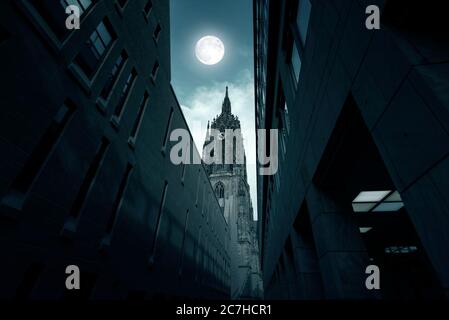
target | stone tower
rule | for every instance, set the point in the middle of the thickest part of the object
(232, 190)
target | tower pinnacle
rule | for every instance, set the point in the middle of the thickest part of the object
(226, 107)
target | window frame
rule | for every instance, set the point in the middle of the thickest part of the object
(99, 57)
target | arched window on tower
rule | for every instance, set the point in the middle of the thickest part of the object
(219, 190)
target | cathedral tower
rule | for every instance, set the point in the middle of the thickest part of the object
(229, 180)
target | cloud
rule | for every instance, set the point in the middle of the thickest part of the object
(204, 103)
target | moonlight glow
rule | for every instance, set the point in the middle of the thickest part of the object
(209, 50)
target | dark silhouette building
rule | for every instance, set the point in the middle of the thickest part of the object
(363, 120)
(85, 176)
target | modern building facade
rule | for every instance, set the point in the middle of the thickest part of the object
(363, 120)
(230, 183)
(85, 175)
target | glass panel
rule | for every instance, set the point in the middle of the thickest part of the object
(85, 3)
(81, 4)
(371, 196)
(98, 47)
(113, 76)
(296, 63)
(395, 196)
(302, 19)
(363, 207)
(388, 206)
(53, 14)
(104, 34)
(128, 81)
(286, 118)
(118, 65)
(64, 3)
(148, 7)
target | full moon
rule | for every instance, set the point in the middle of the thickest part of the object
(209, 50)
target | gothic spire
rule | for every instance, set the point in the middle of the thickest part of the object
(226, 107)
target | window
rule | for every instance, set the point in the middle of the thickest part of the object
(138, 122)
(286, 117)
(183, 171)
(154, 71)
(377, 201)
(219, 190)
(106, 241)
(99, 40)
(295, 61)
(186, 223)
(124, 95)
(95, 48)
(86, 186)
(119, 198)
(302, 19)
(38, 157)
(113, 75)
(167, 131)
(295, 37)
(157, 32)
(158, 223)
(83, 5)
(148, 7)
(283, 121)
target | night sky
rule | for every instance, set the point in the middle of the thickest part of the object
(200, 88)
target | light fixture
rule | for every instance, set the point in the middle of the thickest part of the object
(364, 229)
(400, 249)
(377, 201)
(388, 206)
(363, 207)
(371, 196)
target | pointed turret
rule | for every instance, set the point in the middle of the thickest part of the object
(226, 107)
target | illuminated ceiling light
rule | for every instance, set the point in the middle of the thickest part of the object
(400, 249)
(395, 196)
(364, 229)
(388, 206)
(363, 207)
(371, 196)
